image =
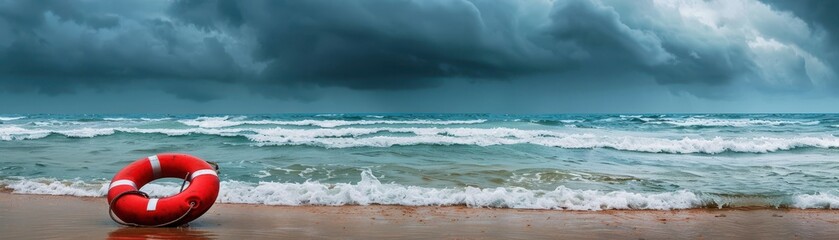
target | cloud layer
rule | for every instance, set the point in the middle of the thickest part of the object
(291, 49)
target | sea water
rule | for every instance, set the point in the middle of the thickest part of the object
(579, 162)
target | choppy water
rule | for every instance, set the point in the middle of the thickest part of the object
(586, 162)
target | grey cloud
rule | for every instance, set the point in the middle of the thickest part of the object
(821, 14)
(291, 49)
(822, 17)
(611, 42)
(206, 14)
(598, 31)
(30, 14)
(416, 44)
(64, 48)
(378, 44)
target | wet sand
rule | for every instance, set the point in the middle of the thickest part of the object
(39, 217)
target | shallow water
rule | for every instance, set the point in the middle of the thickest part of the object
(586, 162)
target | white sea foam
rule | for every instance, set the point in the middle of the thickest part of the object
(226, 121)
(121, 119)
(716, 122)
(87, 132)
(507, 136)
(81, 188)
(11, 118)
(118, 119)
(387, 137)
(55, 123)
(213, 122)
(819, 200)
(55, 187)
(10, 133)
(371, 191)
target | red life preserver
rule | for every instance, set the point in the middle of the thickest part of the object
(135, 208)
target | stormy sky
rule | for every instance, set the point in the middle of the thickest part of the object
(495, 56)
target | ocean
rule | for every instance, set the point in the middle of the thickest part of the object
(575, 162)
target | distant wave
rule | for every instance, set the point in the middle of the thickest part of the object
(630, 120)
(136, 119)
(10, 118)
(369, 190)
(55, 123)
(387, 137)
(12, 133)
(226, 121)
(564, 122)
(507, 136)
(719, 122)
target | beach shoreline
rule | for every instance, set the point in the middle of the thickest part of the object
(46, 216)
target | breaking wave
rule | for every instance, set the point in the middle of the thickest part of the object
(717, 122)
(10, 118)
(226, 121)
(387, 137)
(369, 190)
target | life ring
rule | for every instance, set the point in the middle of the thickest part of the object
(135, 208)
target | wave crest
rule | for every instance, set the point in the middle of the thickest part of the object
(387, 137)
(369, 190)
(226, 121)
(718, 122)
(818, 200)
(10, 118)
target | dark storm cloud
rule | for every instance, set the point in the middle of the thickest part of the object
(26, 15)
(415, 44)
(376, 44)
(55, 47)
(291, 49)
(821, 15)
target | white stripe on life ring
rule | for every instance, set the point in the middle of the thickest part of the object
(152, 204)
(123, 182)
(155, 166)
(203, 172)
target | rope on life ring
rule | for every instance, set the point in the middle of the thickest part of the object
(117, 220)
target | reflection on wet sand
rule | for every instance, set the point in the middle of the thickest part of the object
(125, 233)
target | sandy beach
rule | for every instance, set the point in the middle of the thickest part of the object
(42, 216)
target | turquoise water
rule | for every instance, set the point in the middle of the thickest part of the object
(585, 162)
